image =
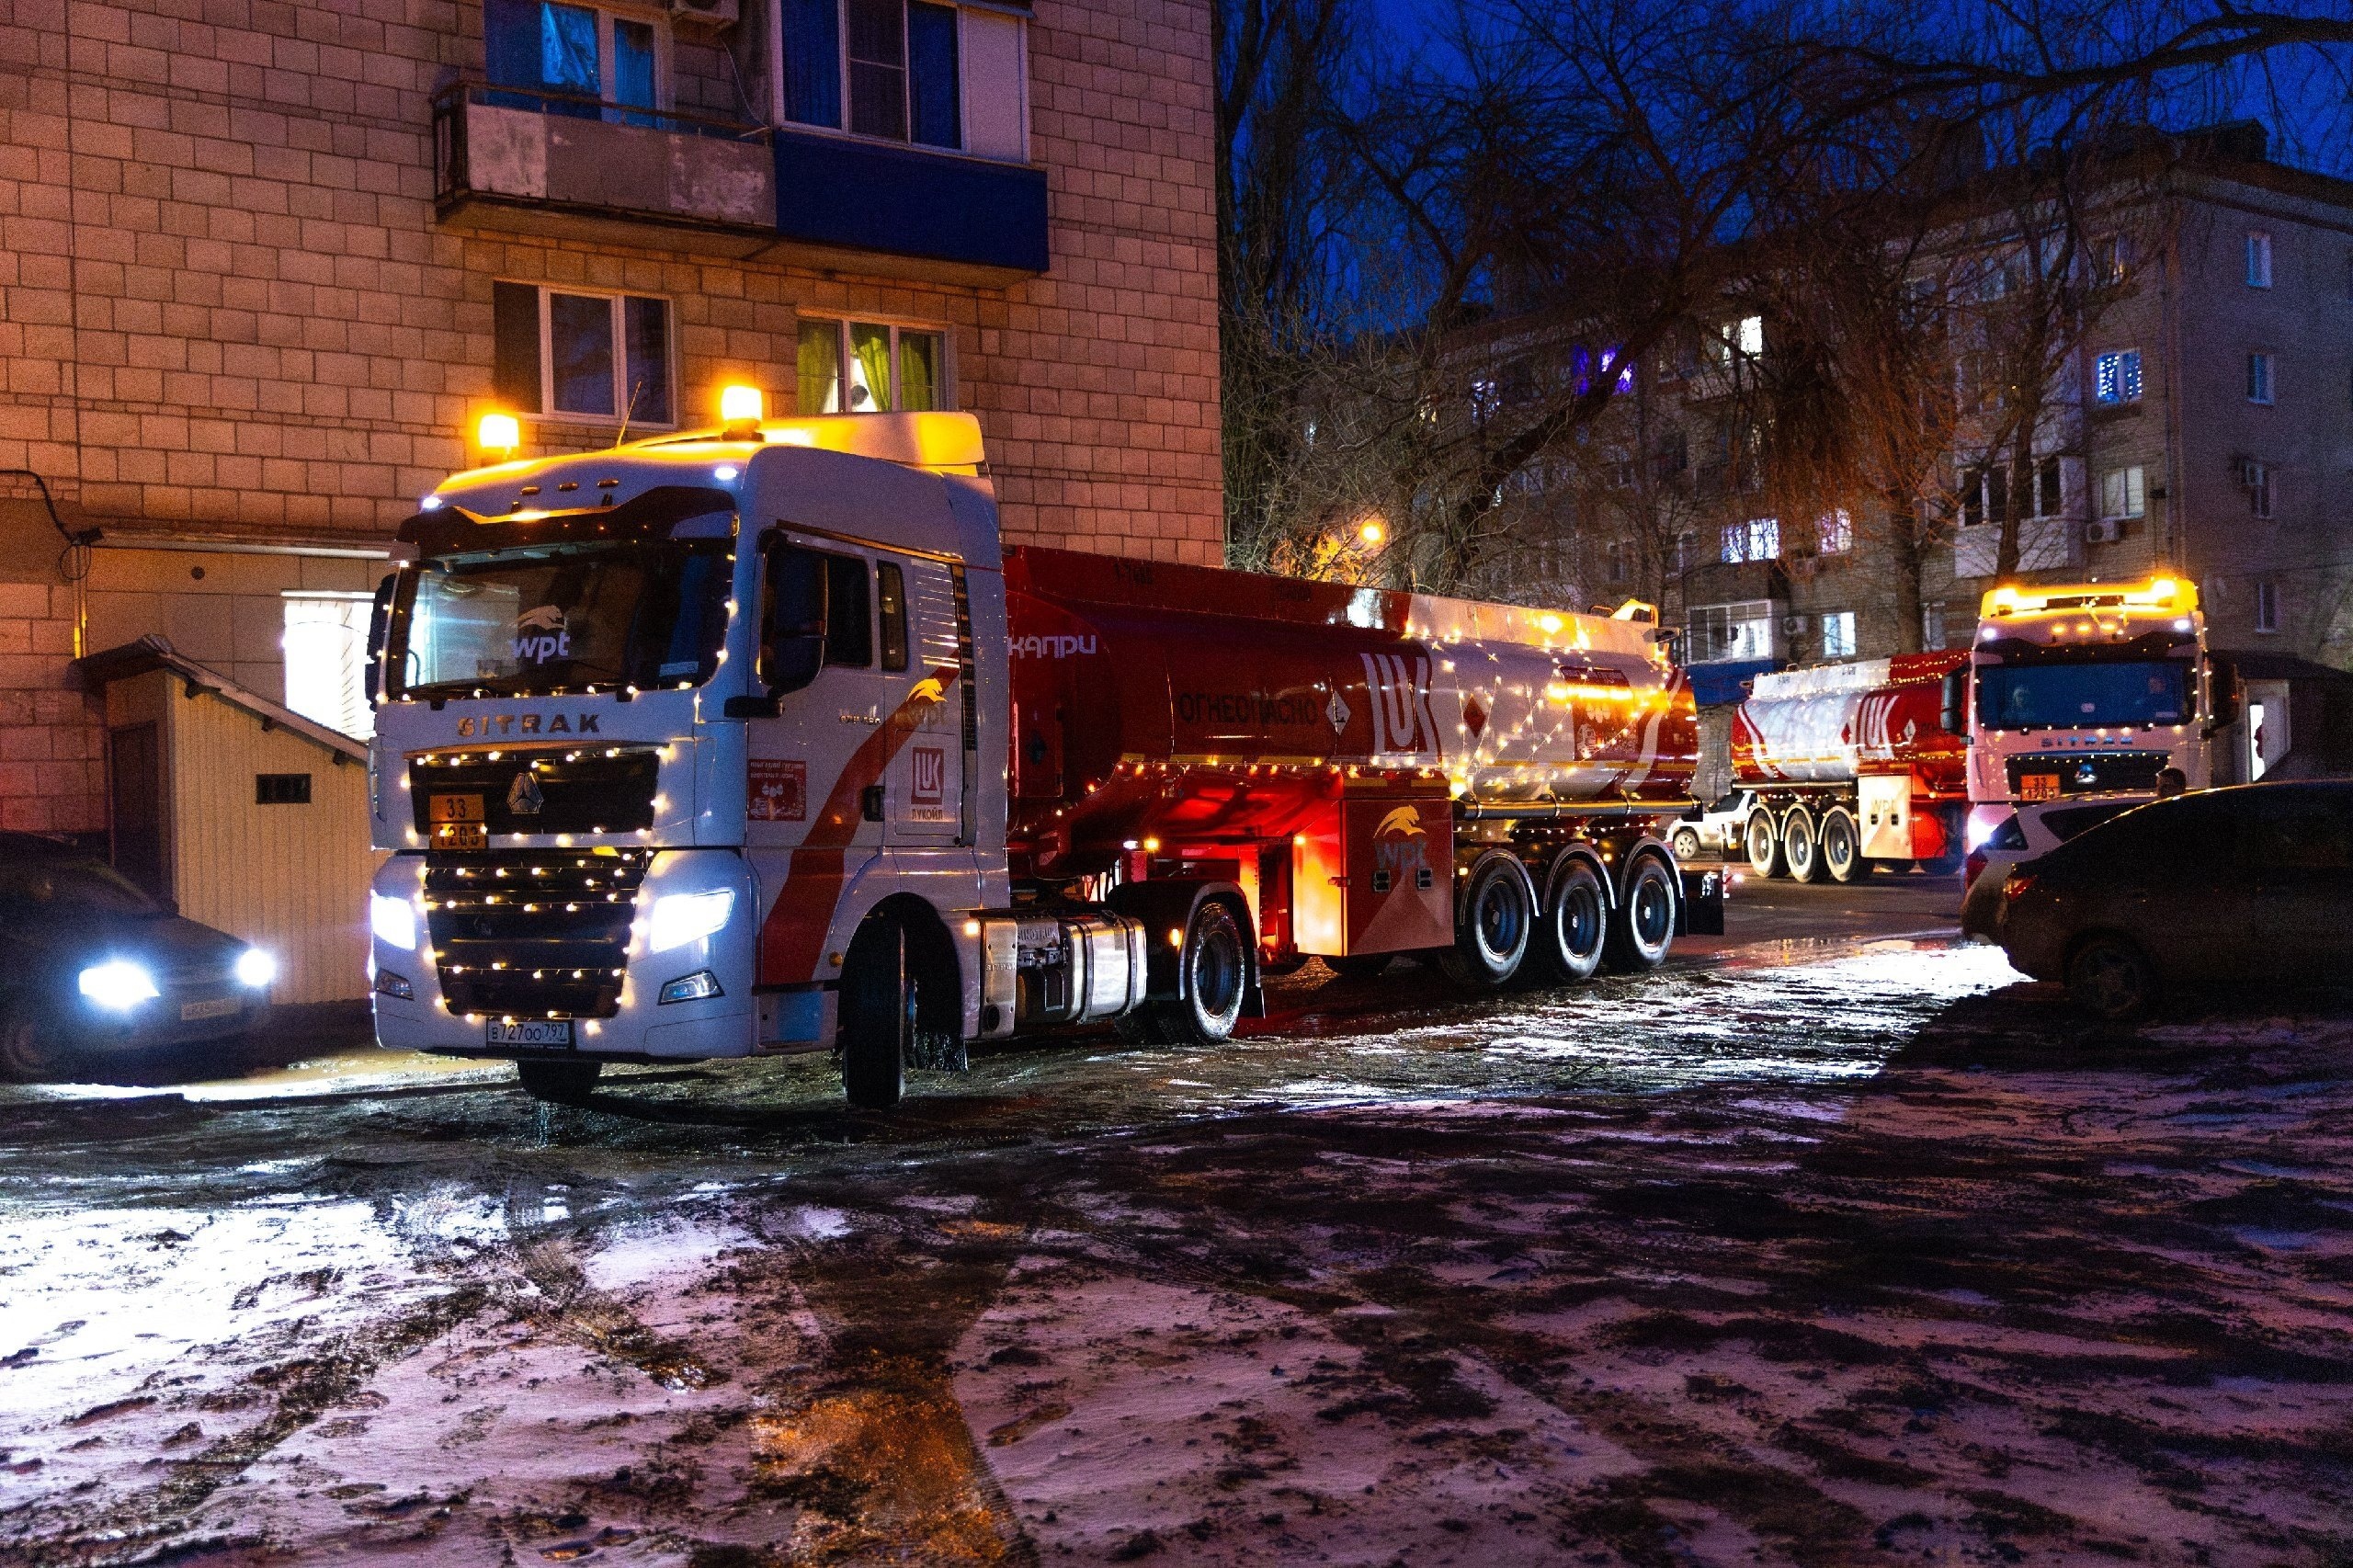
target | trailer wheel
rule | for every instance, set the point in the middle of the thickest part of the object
(1642, 929)
(877, 1028)
(1841, 845)
(1686, 844)
(1763, 844)
(1575, 924)
(558, 1083)
(1217, 971)
(1801, 848)
(1492, 922)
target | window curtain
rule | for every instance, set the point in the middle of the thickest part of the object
(870, 346)
(812, 62)
(932, 112)
(633, 69)
(821, 367)
(918, 371)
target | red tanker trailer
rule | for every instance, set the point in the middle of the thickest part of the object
(1852, 768)
(760, 740)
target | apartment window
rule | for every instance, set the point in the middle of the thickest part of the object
(2258, 378)
(1838, 634)
(2122, 493)
(907, 71)
(1687, 551)
(1985, 495)
(325, 642)
(1732, 631)
(1932, 626)
(2049, 492)
(1833, 533)
(2258, 259)
(2116, 378)
(2111, 259)
(1760, 538)
(567, 354)
(2267, 607)
(1614, 553)
(569, 60)
(2256, 477)
(854, 367)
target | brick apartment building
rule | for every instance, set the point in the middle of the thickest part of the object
(263, 264)
(2201, 423)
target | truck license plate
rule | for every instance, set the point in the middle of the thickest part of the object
(460, 836)
(2037, 786)
(528, 1031)
(219, 1008)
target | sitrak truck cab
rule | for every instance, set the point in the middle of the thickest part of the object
(759, 741)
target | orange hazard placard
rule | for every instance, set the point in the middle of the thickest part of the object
(779, 790)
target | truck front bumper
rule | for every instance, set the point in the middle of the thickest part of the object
(705, 969)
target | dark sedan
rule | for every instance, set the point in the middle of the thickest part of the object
(2250, 884)
(93, 970)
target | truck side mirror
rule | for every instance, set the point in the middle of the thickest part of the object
(379, 619)
(1955, 715)
(793, 618)
(2224, 696)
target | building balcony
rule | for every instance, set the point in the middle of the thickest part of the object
(881, 207)
(532, 160)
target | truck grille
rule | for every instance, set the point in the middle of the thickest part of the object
(532, 933)
(574, 789)
(2091, 772)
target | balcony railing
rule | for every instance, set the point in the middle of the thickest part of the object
(512, 152)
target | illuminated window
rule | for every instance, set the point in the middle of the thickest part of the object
(2122, 493)
(1833, 533)
(1742, 630)
(596, 357)
(1760, 538)
(2116, 378)
(574, 61)
(1838, 634)
(325, 642)
(2258, 259)
(852, 367)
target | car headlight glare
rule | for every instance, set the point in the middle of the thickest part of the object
(255, 968)
(394, 920)
(683, 917)
(118, 983)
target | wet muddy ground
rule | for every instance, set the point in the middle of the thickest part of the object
(1817, 1253)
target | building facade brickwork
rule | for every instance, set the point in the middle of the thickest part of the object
(234, 317)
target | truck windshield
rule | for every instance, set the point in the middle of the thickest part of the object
(2070, 696)
(534, 619)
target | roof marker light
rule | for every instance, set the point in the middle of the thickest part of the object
(726, 474)
(430, 504)
(499, 433)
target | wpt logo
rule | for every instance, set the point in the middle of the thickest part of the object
(930, 774)
(1399, 684)
(540, 635)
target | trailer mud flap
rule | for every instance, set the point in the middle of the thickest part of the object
(1700, 911)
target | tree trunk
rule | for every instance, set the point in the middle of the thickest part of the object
(1905, 555)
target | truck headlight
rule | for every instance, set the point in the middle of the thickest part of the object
(255, 968)
(118, 983)
(394, 920)
(683, 917)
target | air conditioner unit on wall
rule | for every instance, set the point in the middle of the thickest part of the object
(711, 13)
(1792, 624)
(2103, 531)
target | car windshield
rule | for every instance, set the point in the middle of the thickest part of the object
(564, 616)
(31, 890)
(2070, 695)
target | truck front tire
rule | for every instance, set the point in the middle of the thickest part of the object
(1217, 973)
(878, 1016)
(1763, 842)
(1642, 929)
(1492, 923)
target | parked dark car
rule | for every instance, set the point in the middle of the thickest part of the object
(93, 970)
(2252, 884)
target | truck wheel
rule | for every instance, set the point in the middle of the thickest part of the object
(1492, 923)
(1217, 971)
(558, 1083)
(1841, 845)
(1642, 929)
(1686, 844)
(1576, 923)
(1763, 844)
(878, 1016)
(1800, 846)
(2110, 978)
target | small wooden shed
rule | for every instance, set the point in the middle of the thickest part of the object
(251, 817)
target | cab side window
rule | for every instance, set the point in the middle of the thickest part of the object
(891, 598)
(849, 613)
(792, 617)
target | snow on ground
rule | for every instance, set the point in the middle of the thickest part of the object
(1867, 1259)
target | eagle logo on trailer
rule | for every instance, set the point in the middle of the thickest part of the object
(1402, 822)
(1400, 850)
